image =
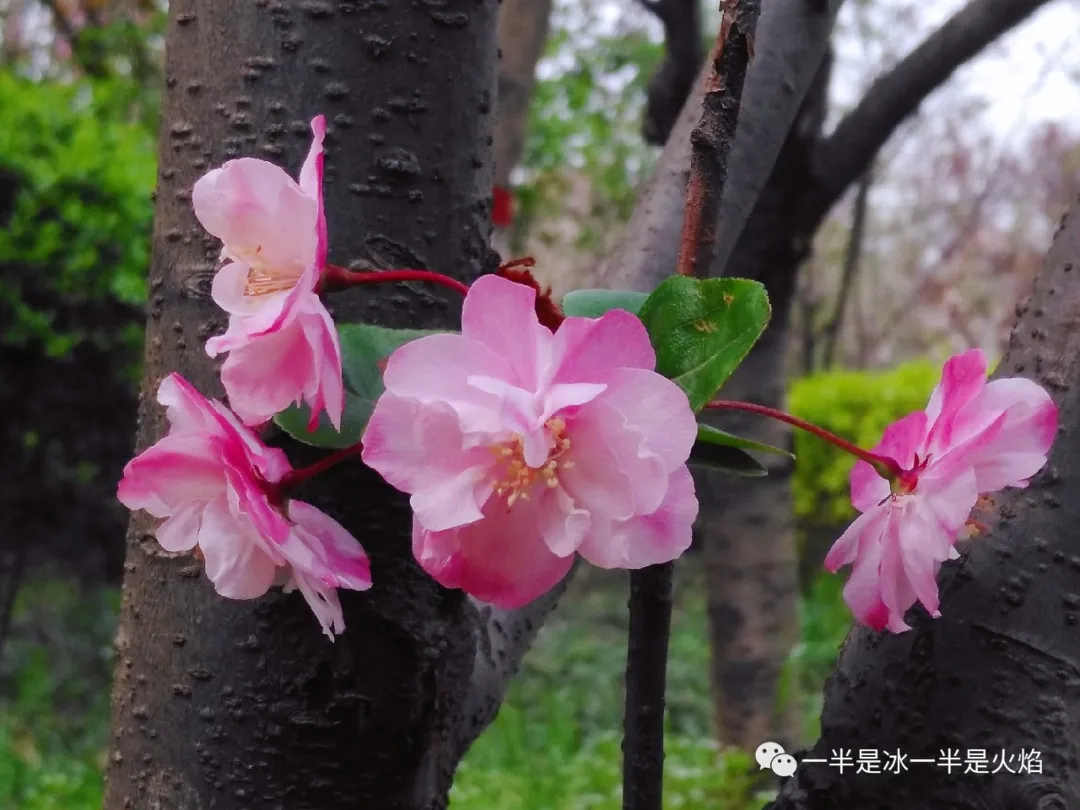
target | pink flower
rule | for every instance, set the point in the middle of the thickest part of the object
(283, 347)
(213, 480)
(520, 447)
(973, 438)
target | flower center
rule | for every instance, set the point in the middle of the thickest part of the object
(264, 278)
(515, 478)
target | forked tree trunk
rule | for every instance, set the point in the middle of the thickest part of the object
(1000, 670)
(236, 705)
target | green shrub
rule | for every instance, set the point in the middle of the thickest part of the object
(857, 406)
(76, 178)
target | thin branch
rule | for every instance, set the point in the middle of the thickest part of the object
(646, 683)
(847, 153)
(670, 86)
(714, 137)
(651, 587)
(792, 39)
(852, 257)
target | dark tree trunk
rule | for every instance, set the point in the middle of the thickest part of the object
(1000, 669)
(233, 705)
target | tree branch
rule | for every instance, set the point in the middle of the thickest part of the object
(852, 256)
(670, 86)
(859, 136)
(792, 39)
(712, 140)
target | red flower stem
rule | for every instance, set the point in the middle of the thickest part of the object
(338, 278)
(294, 478)
(886, 467)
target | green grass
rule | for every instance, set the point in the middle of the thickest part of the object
(554, 746)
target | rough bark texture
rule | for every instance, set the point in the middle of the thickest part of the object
(234, 705)
(1000, 668)
(746, 526)
(523, 32)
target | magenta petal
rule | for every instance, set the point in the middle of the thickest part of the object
(176, 471)
(962, 379)
(869, 525)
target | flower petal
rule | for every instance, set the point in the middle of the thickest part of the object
(177, 471)
(311, 182)
(233, 557)
(259, 213)
(502, 560)
(650, 539)
(334, 546)
(900, 442)
(962, 380)
(586, 347)
(501, 315)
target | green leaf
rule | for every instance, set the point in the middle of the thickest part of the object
(724, 458)
(702, 329)
(364, 347)
(594, 303)
(711, 435)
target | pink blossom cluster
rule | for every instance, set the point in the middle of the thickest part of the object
(522, 441)
(973, 438)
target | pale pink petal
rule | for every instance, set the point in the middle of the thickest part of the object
(656, 408)
(311, 181)
(232, 555)
(614, 471)
(870, 524)
(1019, 447)
(229, 291)
(900, 442)
(585, 347)
(896, 591)
(419, 449)
(502, 560)
(268, 374)
(565, 526)
(343, 556)
(650, 539)
(945, 499)
(250, 504)
(259, 213)
(501, 314)
(862, 591)
(181, 531)
(326, 389)
(437, 368)
(323, 601)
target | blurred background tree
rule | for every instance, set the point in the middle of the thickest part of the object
(952, 226)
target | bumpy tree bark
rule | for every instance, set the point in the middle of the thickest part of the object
(236, 705)
(999, 670)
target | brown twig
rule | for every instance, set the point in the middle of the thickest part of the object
(714, 136)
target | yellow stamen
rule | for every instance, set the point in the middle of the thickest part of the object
(516, 478)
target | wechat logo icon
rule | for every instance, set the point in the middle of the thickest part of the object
(772, 756)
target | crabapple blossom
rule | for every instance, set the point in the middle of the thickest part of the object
(283, 347)
(216, 485)
(521, 447)
(974, 437)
